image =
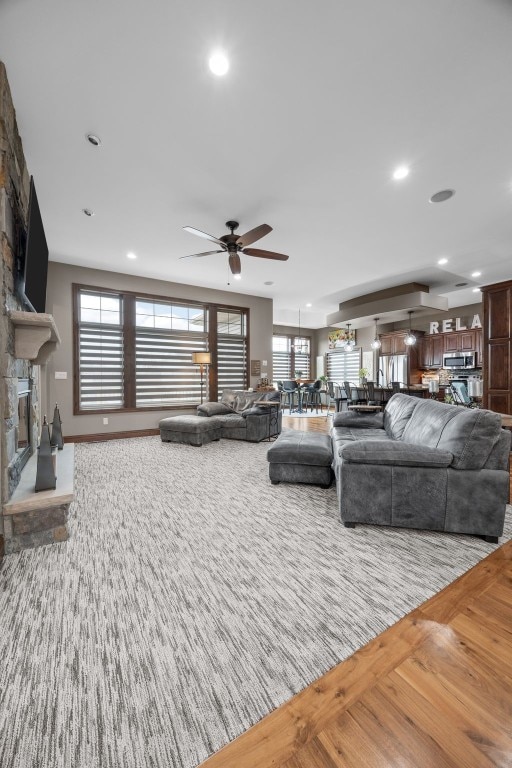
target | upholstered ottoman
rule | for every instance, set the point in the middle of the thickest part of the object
(193, 430)
(301, 457)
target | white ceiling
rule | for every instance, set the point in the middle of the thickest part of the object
(323, 100)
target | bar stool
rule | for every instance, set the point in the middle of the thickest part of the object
(289, 390)
(312, 392)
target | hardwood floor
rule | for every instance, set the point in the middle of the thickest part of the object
(434, 690)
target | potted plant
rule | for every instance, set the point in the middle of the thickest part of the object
(363, 375)
(297, 374)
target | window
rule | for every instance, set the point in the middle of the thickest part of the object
(343, 366)
(101, 358)
(165, 336)
(231, 350)
(135, 352)
(285, 360)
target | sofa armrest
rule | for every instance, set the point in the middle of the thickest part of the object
(394, 453)
(213, 409)
(354, 419)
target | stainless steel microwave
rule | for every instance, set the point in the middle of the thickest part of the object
(459, 360)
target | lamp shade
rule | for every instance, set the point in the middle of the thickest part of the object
(201, 358)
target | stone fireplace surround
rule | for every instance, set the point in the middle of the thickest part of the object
(26, 341)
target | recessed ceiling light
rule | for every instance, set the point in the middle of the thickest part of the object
(476, 274)
(218, 63)
(88, 211)
(401, 172)
(309, 304)
(131, 255)
(440, 197)
(93, 139)
(237, 277)
(442, 261)
(476, 290)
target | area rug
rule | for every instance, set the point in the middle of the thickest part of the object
(192, 598)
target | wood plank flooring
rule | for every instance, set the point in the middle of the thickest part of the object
(434, 690)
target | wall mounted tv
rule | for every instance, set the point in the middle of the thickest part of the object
(35, 267)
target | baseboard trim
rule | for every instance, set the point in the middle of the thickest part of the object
(111, 435)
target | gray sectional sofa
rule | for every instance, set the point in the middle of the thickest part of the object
(239, 417)
(423, 464)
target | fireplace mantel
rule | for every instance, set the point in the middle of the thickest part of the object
(35, 336)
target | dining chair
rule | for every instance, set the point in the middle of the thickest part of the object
(370, 393)
(395, 386)
(330, 397)
(289, 391)
(351, 393)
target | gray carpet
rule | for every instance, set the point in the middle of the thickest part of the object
(192, 598)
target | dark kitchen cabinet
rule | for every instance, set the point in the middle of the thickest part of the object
(431, 350)
(394, 343)
(497, 347)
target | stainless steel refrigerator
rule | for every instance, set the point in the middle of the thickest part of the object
(394, 368)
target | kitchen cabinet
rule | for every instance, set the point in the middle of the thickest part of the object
(462, 341)
(394, 343)
(430, 351)
(497, 347)
(432, 347)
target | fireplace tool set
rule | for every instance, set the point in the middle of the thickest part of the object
(46, 477)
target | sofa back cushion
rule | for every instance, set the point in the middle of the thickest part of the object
(468, 433)
(240, 400)
(397, 414)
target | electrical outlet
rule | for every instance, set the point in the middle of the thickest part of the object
(105, 420)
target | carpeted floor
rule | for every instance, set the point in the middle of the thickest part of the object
(192, 598)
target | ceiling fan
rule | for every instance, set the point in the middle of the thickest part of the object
(234, 245)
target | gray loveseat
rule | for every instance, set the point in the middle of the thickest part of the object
(241, 418)
(423, 464)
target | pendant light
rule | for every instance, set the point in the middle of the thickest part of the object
(410, 339)
(299, 347)
(350, 343)
(376, 343)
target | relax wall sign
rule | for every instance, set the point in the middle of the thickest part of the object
(448, 325)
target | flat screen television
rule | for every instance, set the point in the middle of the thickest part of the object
(35, 266)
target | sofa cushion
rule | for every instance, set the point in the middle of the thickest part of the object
(213, 409)
(239, 400)
(230, 421)
(468, 433)
(471, 437)
(394, 453)
(359, 420)
(397, 414)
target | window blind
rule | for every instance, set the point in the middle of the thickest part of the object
(344, 366)
(101, 366)
(164, 373)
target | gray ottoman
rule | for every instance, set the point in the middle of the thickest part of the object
(193, 430)
(301, 457)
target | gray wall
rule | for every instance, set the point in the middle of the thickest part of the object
(59, 304)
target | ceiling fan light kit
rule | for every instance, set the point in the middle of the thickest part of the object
(234, 245)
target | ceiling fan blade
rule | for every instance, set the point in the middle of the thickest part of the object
(195, 231)
(196, 255)
(234, 263)
(253, 235)
(265, 254)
